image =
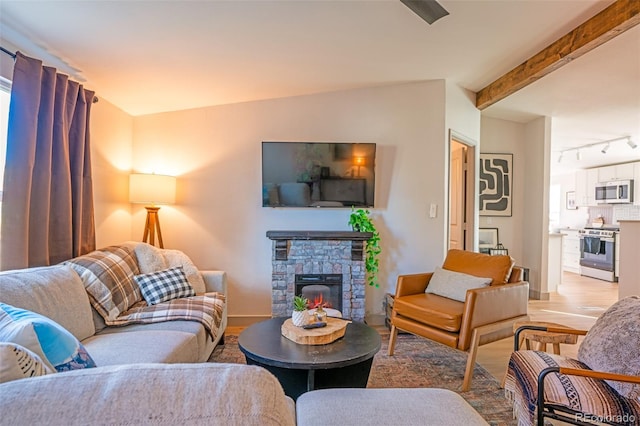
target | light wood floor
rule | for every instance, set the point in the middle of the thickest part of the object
(578, 303)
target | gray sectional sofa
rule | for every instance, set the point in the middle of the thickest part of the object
(156, 374)
(57, 292)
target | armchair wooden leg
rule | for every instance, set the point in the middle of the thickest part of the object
(471, 360)
(392, 339)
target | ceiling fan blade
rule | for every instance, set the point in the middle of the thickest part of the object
(429, 10)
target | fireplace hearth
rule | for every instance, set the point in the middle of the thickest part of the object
(321, 258)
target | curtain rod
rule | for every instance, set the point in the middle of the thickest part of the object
(13, 55)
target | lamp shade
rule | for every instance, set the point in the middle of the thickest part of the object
(152, 189)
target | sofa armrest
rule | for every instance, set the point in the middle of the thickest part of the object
(492, 304)
(215, 281)
(412, 284)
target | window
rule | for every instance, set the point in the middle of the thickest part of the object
(5, 95)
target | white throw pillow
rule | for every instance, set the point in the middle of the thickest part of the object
(175, 258)
(150, 258)
(18, 362)
(454, 285)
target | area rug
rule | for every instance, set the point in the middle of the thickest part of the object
(420, 363)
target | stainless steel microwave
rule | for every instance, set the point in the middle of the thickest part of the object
(620, 191)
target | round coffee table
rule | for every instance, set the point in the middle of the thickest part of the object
(301, 368)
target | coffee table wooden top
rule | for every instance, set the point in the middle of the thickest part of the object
(263, 342)
(333, 331)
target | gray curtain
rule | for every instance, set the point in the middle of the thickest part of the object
(47, 207)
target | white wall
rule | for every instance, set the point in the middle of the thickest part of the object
(525, 233)
(215, 152)
(508, 137)
(111, 145)
(535, 235)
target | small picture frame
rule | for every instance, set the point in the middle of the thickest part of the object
(571, 200)
(487, 239)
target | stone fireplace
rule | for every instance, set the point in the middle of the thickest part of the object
(323, 258)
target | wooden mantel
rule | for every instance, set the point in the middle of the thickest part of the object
(282, 239)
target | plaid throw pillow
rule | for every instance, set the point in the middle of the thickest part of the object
(164, 285)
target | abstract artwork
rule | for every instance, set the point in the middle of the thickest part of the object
(496, 184)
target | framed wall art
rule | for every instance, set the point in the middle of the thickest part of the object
(496, 184)
(487, 239)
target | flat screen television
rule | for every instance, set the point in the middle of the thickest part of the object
(318, 174)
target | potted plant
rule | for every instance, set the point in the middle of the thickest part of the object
(361, 222)
(299, 315)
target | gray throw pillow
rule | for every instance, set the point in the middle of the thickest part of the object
(454, 285)
(613, 344)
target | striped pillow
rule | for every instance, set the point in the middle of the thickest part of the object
(18, 362)
(107, 275)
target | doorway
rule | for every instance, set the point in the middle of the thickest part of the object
(461, 193)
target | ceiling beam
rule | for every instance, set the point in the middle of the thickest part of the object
(612, 21)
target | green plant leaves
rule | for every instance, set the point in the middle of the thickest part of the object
(361, 222)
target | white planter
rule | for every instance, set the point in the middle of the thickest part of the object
(299, 318)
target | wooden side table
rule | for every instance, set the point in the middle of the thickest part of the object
(542, 338)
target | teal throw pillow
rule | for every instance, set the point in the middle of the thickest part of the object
(57, 347)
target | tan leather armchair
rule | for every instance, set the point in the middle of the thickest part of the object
(486, 315)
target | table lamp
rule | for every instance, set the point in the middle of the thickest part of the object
(152, 189)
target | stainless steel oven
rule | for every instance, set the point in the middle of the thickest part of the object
(597, 254)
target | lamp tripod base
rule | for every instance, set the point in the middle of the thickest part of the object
(152, 226)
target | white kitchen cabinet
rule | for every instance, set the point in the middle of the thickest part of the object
(581, 188)
(616, 172)
(586, 181)
(570, 250)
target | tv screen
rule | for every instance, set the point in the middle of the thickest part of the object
(318, 174)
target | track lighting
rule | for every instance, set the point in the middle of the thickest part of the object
(605, 147)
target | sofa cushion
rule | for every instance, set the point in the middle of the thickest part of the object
(436, 311)
(184, 394)
(399, 406)
(613, 344)
(498, 268)
(454, 285)
(18, 362)
(107, 275)
(141, 346)
(168, 284)
(58, 348)
(53, 291)
(204, 343)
